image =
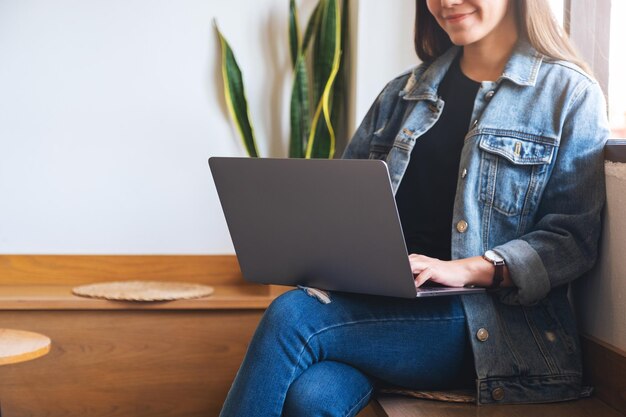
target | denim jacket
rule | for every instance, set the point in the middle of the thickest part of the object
(530, 187)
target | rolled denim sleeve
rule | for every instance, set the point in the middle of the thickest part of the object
(563, 243)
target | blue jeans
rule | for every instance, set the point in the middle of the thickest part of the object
(312, 359)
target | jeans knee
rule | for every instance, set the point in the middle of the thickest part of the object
(306, 401)
(329, 389)
(308, 398)
(286, 306)
(292, 308)
(283, 316)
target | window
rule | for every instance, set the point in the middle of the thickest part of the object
(557, 8)
(596, 28)
(617, 69)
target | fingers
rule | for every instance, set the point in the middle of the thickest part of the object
(448, 273)
(422, 268)
(419, 262)
(423, 276)
(417, 267)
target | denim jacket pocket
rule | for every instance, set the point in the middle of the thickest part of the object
(514, 168)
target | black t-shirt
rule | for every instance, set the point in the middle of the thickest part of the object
(425, 197)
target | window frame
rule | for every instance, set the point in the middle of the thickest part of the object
(588, 23)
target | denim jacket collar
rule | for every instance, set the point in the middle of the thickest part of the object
(522, 69)
(523, 65)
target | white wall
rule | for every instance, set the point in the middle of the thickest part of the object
(384, 45)
(109, 110)
(601, 297)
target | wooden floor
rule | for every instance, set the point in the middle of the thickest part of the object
(395, 406)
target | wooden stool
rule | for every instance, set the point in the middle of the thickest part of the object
(20, 346)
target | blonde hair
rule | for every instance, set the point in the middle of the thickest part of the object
(535, 22)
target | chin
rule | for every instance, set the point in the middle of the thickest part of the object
(460, 41)
(463, 39)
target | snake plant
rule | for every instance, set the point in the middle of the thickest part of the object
(317, 91)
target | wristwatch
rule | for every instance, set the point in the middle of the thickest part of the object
(498, 263)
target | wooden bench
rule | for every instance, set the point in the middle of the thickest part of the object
(389, 406)
(126, 359)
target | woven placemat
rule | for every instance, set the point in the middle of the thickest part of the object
(143, 290)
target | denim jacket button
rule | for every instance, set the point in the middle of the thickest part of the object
(497, 394)
(490, 94)
(462, 226)
(464, 173)
(482, 334)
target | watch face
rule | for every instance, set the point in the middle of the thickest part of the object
(493, 257)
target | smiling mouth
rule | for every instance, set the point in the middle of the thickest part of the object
(456, 18)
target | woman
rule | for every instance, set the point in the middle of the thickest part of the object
(494, 146)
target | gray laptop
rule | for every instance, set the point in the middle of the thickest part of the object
(328, 224)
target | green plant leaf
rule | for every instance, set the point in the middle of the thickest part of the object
(312, 26)
(339, 89)
(324, 46)
(294, 33)
(234, 92)
(300, 118)
(327, 59)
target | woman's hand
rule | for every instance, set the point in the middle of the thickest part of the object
(458, 273)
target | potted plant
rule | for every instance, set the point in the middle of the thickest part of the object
(317, 96)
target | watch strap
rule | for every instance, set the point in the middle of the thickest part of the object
(498, 275)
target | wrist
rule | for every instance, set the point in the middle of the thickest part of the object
(479, 272)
